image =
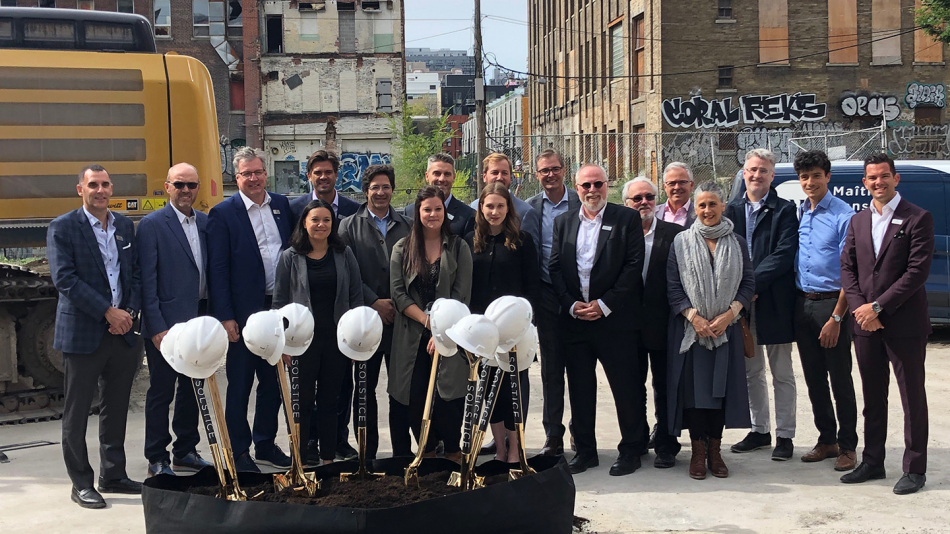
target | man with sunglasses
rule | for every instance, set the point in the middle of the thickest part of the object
(173, 255)
(596, 268)
(678, 185)
(640, 194)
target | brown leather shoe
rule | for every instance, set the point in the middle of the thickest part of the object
(820, 452)
(716, 465)
(553, 446)
(697, 463)
(846, 461)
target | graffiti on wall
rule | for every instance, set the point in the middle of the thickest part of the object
(697, 112)
(924, 94)
(920, 142)
(857, 105)
(352, 165)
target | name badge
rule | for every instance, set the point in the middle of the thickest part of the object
(276, 212)
(606, 228)
(897, 221)
(451, 217)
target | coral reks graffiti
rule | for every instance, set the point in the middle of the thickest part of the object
(922, 94)
(352, 165)
(856, 105)
(698, 112)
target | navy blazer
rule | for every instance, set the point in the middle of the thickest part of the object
(170, 276)
(461, 217)
(653, 318)
(79, 275)
(236, 284)
(345, 207)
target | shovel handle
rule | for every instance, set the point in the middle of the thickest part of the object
(361, 390)
(514, 377)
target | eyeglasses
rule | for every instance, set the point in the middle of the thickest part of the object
(550, 170)
(247, 174)
(639, 198)
(596, 185)
(322, 173)
(676, 183)
(181, 185)
(380, 188)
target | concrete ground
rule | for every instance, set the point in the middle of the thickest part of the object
(759, 496)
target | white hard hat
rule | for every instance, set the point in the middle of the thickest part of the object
(513, 316)
(442, 316)
(299, 332)
(359, 333)
(476, 334)
(264, 335)
(201, 348)
(169, 341)
(527, 349)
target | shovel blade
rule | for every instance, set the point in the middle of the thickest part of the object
(455, 479)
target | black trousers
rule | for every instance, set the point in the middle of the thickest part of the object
(322, 370)
(552, 362)
(446, 414)
(617, 356)
(344, 405)
(819, 365)
(398, 418)
(656, 359)
(166, 385)
(111, 367)
(704, 423)
(503, 412)
(242, 367)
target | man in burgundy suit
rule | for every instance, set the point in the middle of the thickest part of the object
(884, 265)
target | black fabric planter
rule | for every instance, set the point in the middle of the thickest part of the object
(542, 503)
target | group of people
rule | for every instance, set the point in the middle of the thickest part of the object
(634, 286)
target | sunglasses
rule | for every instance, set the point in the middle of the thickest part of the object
(181, 185)
(596, 185)
(639, 198)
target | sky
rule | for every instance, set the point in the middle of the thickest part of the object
(507, 40)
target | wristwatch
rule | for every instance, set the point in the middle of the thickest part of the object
(836, 317)
(876, 307)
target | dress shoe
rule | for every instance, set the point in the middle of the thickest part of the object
(863, 473)
(582, 462)
(753, 441)
(245, 464)
(192, 462)
(161, 467)
(697, 462)
(716, 465)
(820, 452)
(273, 457)
(664, 460)
(120, 485)
(846, 461)
(625, 464)
(784, 449)
(552, 446)
(652, 442)
(489, 448)
(344, 451)
(910, 483)
(87, 498)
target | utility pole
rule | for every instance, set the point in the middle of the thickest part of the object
(480, 132)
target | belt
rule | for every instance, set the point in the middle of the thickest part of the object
(819, 295)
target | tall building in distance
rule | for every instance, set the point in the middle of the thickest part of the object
(443, 60)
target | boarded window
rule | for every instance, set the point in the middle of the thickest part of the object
(773, 31)
(384, 95)
(237, 95)
(639, 58)
(885, 32)
(926, 49)
(347, 25)
(842, 31)
(616, 50)
(927, 116)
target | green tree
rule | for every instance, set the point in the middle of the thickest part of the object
(933, 16)
(416, 136)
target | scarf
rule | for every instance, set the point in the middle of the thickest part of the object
(711, 288)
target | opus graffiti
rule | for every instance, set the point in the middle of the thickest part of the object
(352, 165)
(856, 105)
(753, 109)
(924, 94)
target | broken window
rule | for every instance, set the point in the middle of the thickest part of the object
(235, 19)
(370, 6)
(275, 34)
(163, 18)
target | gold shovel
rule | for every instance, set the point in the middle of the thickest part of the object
(518, 417)
(222, 455)
(361, 473)
(294, 478)
(478, 435)
(412, 471)
(473, 401)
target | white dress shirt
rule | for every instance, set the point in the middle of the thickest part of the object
(880, 221)
(335, 204)
(268, 237)
(587, 234)
(108, 248)
(189, 225)
(648, 241)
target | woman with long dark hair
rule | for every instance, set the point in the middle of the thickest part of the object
(505, 262)
(428, 264)
(319, 271)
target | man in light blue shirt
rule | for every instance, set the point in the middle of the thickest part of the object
(824, 340)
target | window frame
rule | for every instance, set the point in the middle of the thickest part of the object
(726, 72)
(155, 25)
(131, 6)
(724, 10)
(615, 34)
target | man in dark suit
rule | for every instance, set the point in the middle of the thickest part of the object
(440, 172)
(884, 266)
(322, 170)
(596, 268)
(653, 316)
(371, 234)
(770, 228)
(173, 256)
(94, 267)
(246, 234)
(554, 200)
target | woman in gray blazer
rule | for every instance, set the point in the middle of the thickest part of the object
(319, 271)
(428, 264)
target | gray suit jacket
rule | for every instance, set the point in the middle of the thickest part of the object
(292, 284)
(371, 250)
(530, 218)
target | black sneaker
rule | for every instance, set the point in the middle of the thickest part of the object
(161, 467)
(783, 449)
(753, 442)
(273, 457)
(245, 464)
(345, 452)
(191, 462)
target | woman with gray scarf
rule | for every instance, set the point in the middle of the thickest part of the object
(710, 280)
